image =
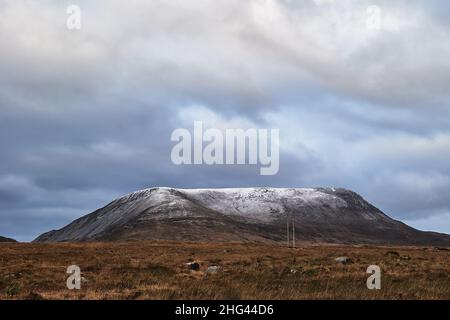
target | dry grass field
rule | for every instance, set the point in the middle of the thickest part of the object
(158, 270)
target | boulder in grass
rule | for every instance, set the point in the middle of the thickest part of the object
(195, 266)
(213, 269)
(343, 260)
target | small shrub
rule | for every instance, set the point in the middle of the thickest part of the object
(392, 253)
(159, 270)
(33, 296)
(12, 290)
(311, 272)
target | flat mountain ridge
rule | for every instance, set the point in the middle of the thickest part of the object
(321, 215)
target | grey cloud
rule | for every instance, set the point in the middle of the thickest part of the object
(86, 116)
(254, 51)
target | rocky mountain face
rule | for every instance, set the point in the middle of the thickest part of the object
(3, 239)
(321, 215)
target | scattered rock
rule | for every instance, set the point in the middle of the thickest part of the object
(193, 266)
(213, 269)
(14, 275)
(343, 260)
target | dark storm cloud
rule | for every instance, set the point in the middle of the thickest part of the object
(86, 115)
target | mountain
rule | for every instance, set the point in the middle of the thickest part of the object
(3, 239)
(321, 215)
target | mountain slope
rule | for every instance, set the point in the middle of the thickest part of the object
(3, 239)
(251, 214)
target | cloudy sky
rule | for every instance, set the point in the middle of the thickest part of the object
(86, 115)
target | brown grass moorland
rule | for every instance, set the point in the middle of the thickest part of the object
(158, 270)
